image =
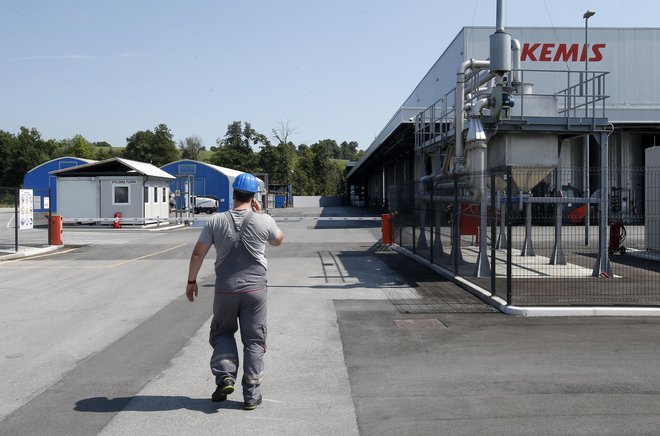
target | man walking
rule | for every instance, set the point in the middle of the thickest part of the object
(239, 237)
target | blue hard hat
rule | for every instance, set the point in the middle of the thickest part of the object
(246, 183)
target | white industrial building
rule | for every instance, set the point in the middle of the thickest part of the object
(630, 85)
(528, 124)
(97, 191)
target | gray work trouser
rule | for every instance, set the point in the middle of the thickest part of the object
(248, 308)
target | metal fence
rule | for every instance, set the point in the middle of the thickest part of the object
(544, 240)
(8, 211)
(10, 235)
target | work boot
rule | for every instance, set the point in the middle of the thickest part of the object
(225, 388)
(252, 404)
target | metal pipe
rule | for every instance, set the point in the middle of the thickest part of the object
(447, 198)
(480, 105)
(460, 102)
(499, 27)
(450, 185)
(515, 51)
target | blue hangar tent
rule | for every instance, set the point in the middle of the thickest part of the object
(39, 180)
(204, 179)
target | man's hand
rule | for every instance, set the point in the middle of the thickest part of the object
(255, 205)
(196, 259)
(191, 291)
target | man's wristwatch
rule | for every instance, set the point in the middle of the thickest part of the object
(192, 282)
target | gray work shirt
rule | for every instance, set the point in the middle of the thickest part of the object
(260, 229)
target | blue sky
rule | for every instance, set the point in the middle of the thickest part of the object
(333, 69)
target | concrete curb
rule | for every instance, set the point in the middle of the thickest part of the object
(29, 252)
(531, 311)
(110, 229)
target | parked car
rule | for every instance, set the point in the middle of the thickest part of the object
(207, 203)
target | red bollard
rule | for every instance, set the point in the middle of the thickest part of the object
(387, 228)
(117, 224)
(55, 230)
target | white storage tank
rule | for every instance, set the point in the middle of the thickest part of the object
(652, 198)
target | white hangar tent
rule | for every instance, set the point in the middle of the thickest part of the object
(97, 191)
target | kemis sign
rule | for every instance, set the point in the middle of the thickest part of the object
(560, 52)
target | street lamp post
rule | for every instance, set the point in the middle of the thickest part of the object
(586, 17)
(587, 193)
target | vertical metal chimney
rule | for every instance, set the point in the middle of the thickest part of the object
(500, 44)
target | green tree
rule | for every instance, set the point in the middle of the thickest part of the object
(191, 147)
(103, 153)
(28, 151)
(157, 147)
(7, 145)
(77, 146)
(331, 147)
(324, 169)
(348, 150)
(304, 180)
(286, 151)
(234, 150)
(271, 162)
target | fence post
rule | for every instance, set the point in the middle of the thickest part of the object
(432, 226)
(16, 200)
(509, 206)
(50, 216)
(493, 235)
(456, 243)
(414, 217)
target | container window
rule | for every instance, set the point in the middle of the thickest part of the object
(120, 195)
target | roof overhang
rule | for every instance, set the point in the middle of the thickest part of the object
(113, 167)
(399, 142)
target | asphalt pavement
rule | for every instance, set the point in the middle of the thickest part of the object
(97, 339)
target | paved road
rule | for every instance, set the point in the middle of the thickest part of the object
(98, 340)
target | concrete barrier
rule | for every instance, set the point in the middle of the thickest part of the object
(317, 201)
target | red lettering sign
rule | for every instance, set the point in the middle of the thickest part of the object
(528, 52)
(598, 54)
(566, 53)
(550, 52)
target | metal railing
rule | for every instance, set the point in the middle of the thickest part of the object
(577, 94)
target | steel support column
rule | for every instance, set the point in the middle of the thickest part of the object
(482, 268)
(603, 267)
(528, 247)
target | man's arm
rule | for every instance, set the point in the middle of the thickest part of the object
(196, 259)
(278, 240)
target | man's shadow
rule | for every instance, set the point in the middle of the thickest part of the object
(152, 403)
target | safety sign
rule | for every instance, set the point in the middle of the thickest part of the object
(26, 211)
